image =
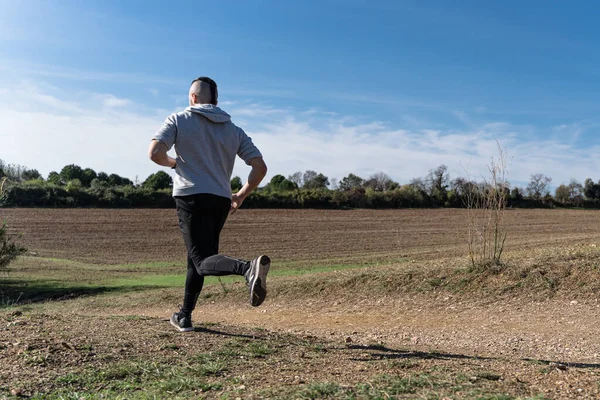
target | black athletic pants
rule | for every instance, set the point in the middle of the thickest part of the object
(201, 218)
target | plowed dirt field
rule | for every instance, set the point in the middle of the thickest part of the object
(119, 236)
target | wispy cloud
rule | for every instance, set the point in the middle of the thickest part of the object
(111, 101)
(74, 74)
(568, 132)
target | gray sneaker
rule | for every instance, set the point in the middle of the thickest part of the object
(182, 322)
(257, 279)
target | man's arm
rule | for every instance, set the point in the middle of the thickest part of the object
(258, 172)
(158, 153)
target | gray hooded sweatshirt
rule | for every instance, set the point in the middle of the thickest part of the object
(206, 143)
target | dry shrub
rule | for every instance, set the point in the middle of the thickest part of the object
(486, 204)
(2, 183)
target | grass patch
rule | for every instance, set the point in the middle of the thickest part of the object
(259, 349)
(37, 279)
(416, 385)
(140, 379)
(18, 291)
(149, 281)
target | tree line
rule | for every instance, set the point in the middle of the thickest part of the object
(74, 186)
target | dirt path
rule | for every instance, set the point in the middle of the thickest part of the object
(560, 330)
(515, 346)
(519, 347)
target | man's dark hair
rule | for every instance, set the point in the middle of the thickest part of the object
(213, 88)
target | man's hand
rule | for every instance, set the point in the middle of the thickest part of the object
(236, 202)
(258, 172)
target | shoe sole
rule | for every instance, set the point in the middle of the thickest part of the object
(258, 293)
(180, 329)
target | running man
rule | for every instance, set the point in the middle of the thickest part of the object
(206, 143)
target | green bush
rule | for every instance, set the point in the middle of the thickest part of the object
(74, 185)
(99, 195)
(35, 183)
(9, 250)
(159, 180)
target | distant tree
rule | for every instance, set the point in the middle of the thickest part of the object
(54, 177)
(437, 183)
(460, 186)
(350, 182)
(13, 172)
(30, 174)
(70, 172)
(571, 194)
(516, 194)
(313, 180)
(308, 177)
(321, 182)
(280, 184)
(419, 185)
(87, 176)
(561, 194)
(276, 180)
(576, 193)
(461, 190)
(116, 180)
(102, 176)
(591, 190)
(538, 186)
(286, 185)
(296, 177)
(18, 173)
(97, 184)
(159, 180)
(236, 184)
(380, 182)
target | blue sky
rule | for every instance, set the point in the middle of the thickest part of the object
(334, 86)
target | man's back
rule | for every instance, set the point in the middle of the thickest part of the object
(206, 143)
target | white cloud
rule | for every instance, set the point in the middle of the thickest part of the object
(111, 101)
(46, 129)
(50, 133)
(570, 132)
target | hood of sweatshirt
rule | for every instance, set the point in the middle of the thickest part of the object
(213, 113)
